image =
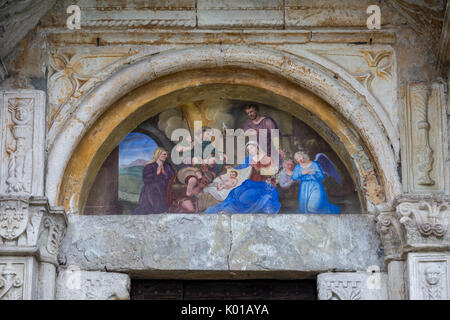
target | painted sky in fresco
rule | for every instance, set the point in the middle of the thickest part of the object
(136, 146)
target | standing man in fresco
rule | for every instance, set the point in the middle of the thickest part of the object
(257, 122)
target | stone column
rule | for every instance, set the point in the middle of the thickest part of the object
(30, 232)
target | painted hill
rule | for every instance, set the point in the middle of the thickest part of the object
(135, 163)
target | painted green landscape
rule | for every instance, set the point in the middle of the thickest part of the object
(130, 184)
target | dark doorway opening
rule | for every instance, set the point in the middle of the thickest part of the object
(223, 290)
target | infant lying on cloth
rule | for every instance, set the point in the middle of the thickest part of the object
(222, 185)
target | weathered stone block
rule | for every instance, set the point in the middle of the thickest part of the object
(326, 13)
(73, 284)
(155, 244)
(304, 242)
(238, 13)
(353, 286)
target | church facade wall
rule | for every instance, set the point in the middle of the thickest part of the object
(379, 96)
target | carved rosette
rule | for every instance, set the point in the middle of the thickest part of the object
(425, 222)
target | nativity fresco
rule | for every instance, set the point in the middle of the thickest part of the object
(229, 157)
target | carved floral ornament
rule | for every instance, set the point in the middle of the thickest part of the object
(429, 219)
(417, 223)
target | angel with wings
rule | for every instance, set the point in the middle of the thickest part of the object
(312, 197)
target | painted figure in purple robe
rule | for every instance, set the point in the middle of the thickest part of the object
(257, 122)
(156, 176)
(312, 197)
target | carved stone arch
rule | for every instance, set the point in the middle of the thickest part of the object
(307, 82)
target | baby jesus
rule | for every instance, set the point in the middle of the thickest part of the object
(228, 183)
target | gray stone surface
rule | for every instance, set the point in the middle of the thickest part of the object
(222, 244)
(239, 13)
(73, 284)
(352, 286)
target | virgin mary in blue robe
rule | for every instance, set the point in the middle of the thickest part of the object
(312, 197)
(254, 195)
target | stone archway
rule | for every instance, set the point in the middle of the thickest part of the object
(307, 85)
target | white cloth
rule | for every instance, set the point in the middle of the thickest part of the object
(243, 174)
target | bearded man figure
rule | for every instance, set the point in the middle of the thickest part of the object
(257, 123)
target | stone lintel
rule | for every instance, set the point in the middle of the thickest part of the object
(222, 245)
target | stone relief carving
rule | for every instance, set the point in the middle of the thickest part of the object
(11, 282)
(424, 220)
(56, 232)
(432, 283)
(352, 285)
(340, 290)
(71, 77)
(424, 126)
(19, 149)
(379, 64)
(429, 276)
(13, 218)
(419, 98)
(391, 235)
(22, 142)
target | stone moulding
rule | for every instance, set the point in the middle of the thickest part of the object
(363, 114)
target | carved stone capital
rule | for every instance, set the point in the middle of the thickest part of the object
(425, 221)
(28, 227)
(53, 230)
(391, 234)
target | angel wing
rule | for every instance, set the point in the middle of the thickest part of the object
(328, 167)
